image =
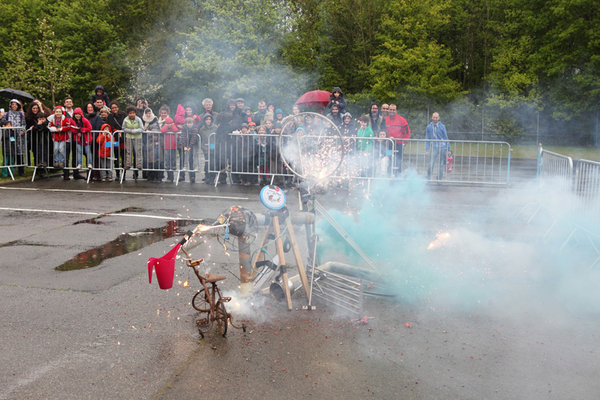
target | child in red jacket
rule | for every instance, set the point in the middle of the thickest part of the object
(105, 144)
(60, 127)
(170, 130)
(82, 133)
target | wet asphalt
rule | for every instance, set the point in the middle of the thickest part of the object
(105, 333)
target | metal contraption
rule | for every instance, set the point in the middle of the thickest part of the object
(274, 220)
(335, 283)
(332, 282)
(241, 223)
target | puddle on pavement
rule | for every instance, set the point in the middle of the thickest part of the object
(126, 243)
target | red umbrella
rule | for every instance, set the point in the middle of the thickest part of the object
(314, 98)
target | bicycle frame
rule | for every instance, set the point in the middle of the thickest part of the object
(209, 302)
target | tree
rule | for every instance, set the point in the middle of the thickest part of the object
(233, 51)
(142, 81)
(18, 73)
(349, 41)
(54, 75)
(548, 53)
(19, 33)
(412, 65)
(92, 47)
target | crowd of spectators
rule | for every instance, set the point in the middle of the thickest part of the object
(101, 137)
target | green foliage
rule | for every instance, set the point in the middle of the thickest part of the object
(92, 47)
(301, 40)
(232, 51)
(470, 39)
(18, 73)
(412, 66)
(55, 72)
(513, 58)
(348, 42)
(547, 53)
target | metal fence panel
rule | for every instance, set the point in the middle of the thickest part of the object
(257, 158)
(14, 151)
(555, 166)
(587, 185)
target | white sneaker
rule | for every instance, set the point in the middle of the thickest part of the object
(90, 166)
(78, 166)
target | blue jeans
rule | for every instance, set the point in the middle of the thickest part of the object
(437, 154)
(170, 162)
(88, 154)
(59, 152)
(398, 159)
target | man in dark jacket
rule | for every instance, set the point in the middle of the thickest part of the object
(115, 120)
(259, 115)
(376, 120)
(225, 127)
(335, 115)
(239, 115)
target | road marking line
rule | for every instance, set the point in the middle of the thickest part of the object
(95, 214)
(200, 196)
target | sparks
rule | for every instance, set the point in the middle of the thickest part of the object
(204, 228)
(441, 239)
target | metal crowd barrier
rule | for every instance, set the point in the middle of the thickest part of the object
(81, 152)
(581, 177)
(107, 159)
(14, 144)
(162, 156)
(447, 161)
(555, 166)
(256, 158)
(586, 185)
(245, 158)
(578, 229)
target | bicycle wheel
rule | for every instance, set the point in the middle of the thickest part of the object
(221, 317)
(200, 301)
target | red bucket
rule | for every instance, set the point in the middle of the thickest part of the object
(164, 267)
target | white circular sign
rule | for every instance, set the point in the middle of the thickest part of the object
(272, 197)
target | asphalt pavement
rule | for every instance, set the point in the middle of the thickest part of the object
(105, 333)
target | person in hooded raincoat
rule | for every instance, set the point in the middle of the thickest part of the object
(171, 132)
(83, 138)
(337, 98)
(100, 93)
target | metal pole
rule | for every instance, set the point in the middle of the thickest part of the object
(597, 130)
(482, 120)
(245, 265)
(312, 277)
(537, 138)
